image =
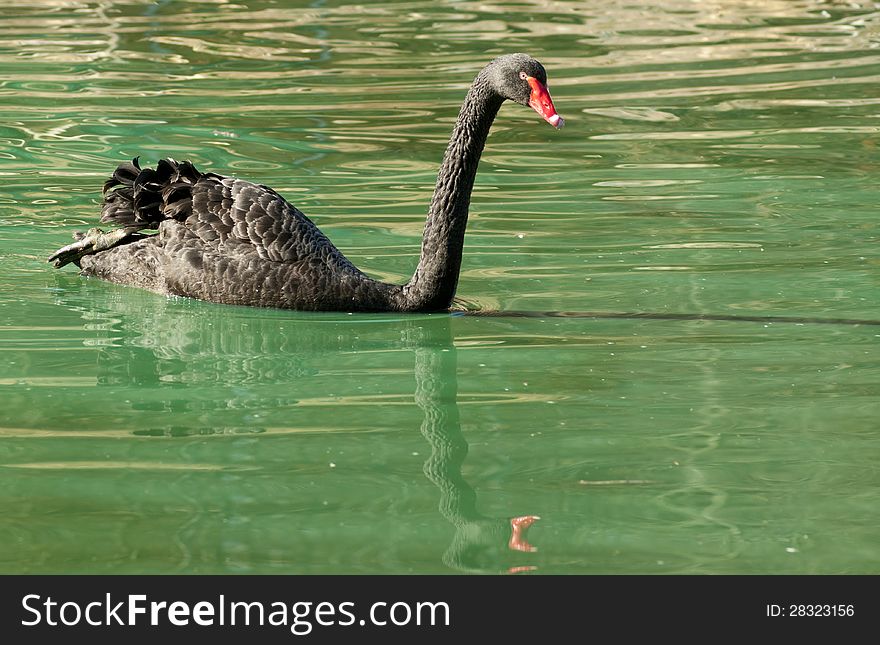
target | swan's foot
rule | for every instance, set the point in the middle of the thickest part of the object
(519, 526)
(92, 241)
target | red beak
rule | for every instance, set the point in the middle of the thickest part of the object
(540, 102)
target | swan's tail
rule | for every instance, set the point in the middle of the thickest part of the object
(143, 197)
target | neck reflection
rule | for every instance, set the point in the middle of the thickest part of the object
(480, 544)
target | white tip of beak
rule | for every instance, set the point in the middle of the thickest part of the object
(556, 121)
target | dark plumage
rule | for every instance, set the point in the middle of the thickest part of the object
(227, 240)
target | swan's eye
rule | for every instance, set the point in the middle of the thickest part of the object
(523, 75)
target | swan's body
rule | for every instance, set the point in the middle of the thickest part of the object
(227, 240)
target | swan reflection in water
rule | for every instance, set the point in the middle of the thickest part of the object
(477, 538)
(175, 369)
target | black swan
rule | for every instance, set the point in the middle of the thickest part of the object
(227, 240)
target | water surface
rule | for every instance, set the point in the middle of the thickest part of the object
(719, 160)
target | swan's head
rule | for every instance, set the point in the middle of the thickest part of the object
(520, 78)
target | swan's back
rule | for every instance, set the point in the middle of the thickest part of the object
(230, 214)
(223, 239)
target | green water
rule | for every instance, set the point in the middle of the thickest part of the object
(719, 158)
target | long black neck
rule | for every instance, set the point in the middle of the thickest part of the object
(433, 284)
